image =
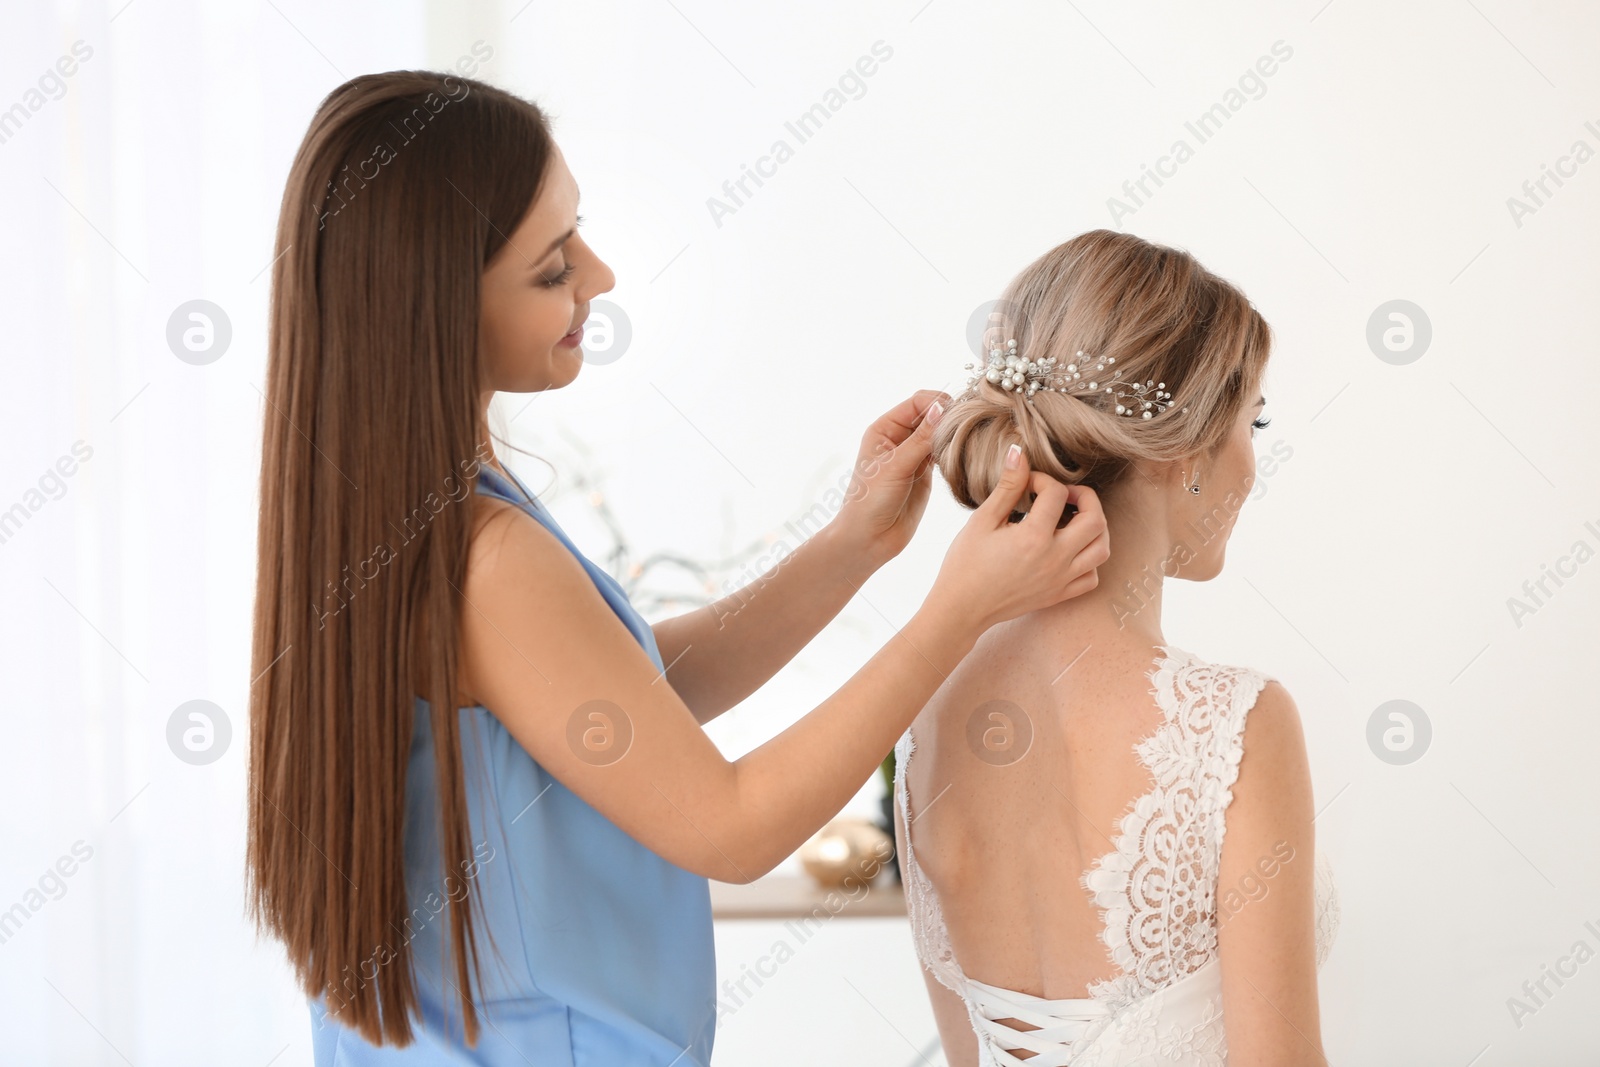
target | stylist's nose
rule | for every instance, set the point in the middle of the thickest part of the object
(598, 278)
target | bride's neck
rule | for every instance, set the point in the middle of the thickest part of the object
(1125, 605)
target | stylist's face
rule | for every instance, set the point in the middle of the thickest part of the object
(536, 293)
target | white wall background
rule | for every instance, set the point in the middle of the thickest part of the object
(1376, 165)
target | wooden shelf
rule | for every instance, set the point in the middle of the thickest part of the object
(790, 896)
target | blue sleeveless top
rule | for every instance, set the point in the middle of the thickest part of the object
(605, 952)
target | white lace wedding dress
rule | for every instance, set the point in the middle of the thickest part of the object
(1156, 892)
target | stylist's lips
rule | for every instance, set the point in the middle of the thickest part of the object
(573, 339)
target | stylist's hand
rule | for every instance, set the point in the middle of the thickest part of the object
(997, 570)
(889, 487)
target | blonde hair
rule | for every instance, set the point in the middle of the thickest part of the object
(1164, 318)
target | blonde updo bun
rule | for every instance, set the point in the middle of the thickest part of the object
(1162, 316)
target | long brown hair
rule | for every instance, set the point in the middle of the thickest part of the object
(404, 187)
(1162, 317)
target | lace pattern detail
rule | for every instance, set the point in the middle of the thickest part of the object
(1157, 888)
(1326, 893)
(922, 903)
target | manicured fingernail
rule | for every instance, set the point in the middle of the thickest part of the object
(935, 413)
(1013, 457)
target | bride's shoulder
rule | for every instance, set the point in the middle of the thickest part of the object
(1255, 702)
(1179, 667)
(1267, 713)
(1269, 747)
(1274, 716)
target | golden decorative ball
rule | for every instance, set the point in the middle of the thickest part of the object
(847, 849)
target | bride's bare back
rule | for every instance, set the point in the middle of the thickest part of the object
(1064, 865)
(1023, 767)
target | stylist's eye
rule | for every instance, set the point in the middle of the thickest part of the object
(560, 279)
(1260, 424)
(566, 272)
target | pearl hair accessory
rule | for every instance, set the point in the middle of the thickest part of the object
(1014, 372)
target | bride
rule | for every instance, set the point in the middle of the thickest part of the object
(1063, 799)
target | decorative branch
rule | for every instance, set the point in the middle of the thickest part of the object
(635, 576)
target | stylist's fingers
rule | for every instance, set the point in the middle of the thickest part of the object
(922, 482)
(1000, 570)
(917, 494)
(906, 417)
(899, 438)
(1087, 531)
(1084, 582)
(1049, 501)
(914, 449)
(1007, 492)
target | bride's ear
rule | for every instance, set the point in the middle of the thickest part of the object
(1181, 471)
